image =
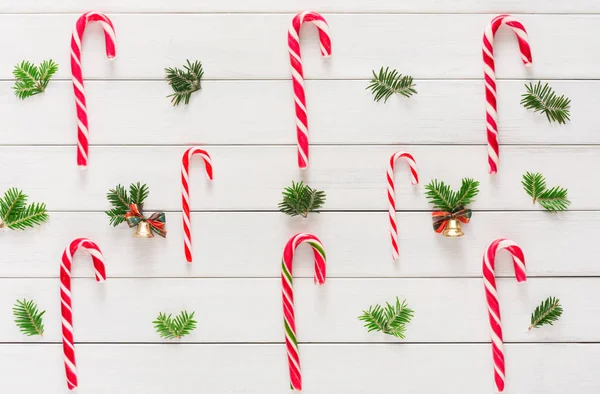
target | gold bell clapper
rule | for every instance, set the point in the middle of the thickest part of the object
(453, 229)
(143, 230)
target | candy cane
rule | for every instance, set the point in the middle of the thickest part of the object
(489, 281)
(80, 101)
(65, 300)
(289, 319)
(298, 75)
(414, 178)
(185, 193)
(490, 78)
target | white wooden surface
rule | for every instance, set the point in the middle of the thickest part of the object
(244, 116)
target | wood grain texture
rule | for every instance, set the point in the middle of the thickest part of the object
(257, 369)
(249, 310)
(254, 46)
(357, 245)
(340, 112)
(252, 178)
(352, 6)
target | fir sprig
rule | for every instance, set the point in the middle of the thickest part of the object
(28, 318)
(120, 200)
(444, 198)
(389, 82)
(16, 214)
(184, 82)
(32, 79)
(300, 199)
(391, 319)
(554, 199)
(169, 328)
(547, 312)
(543, 99)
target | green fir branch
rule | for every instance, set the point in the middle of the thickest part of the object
(547, 312)
(390, 319)
(184, 82)
(300, 199)
(441, 196)
(138, 193)
(169, 328)
(32, 79)
(389, 82)
(543, 99)
(468, 190)
(554, 199)
(17, 215)
(28, 318)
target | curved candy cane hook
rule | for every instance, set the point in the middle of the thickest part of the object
(489, 281)
(490, 78)
(298, 74)
(66, 300)
(185, 193)
(80, 101)
(414, 177)
(289, 319)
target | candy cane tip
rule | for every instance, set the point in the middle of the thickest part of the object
(111, 58)
(82, 167)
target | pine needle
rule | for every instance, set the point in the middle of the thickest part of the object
(553, 200)
(32, 79)
(17, 215)
(547, 312)
(543, 99)
(169, 328)
(389, 82)
(300, 199)
(28, 318)
(184, 82)
(391, 319)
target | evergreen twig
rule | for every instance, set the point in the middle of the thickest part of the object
(444, 198)
(169, 328)
(554, 199)
(32, 79)
(16, 214)
(184, 82)
(547, 312)
(28, 318)
(300, 199)
(120, 201)
(388, 82)
(390, 319)
(138, 193)
(543, 99)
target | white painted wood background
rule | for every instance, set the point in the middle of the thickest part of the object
(244, 116)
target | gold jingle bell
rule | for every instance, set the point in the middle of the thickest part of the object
(453, 229)
(143, 230)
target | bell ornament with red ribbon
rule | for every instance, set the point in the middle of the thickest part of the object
(451, 211)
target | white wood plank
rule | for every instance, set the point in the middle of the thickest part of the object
(252, 178)
(340, 112)
(387, 6)
(255, 45)
(154, 369)
(357, 245)
(114, 312)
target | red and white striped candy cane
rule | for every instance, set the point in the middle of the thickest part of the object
(66, 300)
(185, 193)
(414, 178)
(80, 102)
(298, 74)
(489, 282)
(489, 69)
(289, 319)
